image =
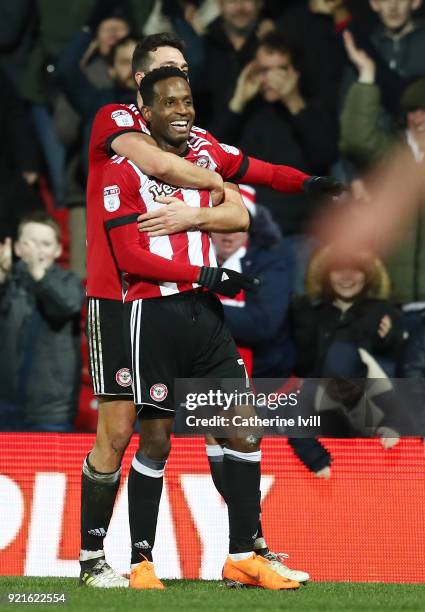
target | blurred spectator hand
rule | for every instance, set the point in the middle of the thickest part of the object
(326, 7)
(5, 258)
(389, 437)
(324, 473)
(265, 26)
(30, 177)
(36, 260)
(364, 64)
(191, 14)
(385, 326)
(247, 87)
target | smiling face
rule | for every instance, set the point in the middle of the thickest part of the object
(172, 114)
(347, 283)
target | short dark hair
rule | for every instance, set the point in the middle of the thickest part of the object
(141, 55)
(123, 42)
(159, 74)
(275, 42)
(39, 216)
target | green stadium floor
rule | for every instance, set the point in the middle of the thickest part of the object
(209, 595)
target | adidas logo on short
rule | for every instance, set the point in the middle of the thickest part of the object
(143, 544)
(224, 277)
(98, 532)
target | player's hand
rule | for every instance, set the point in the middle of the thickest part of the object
(176, 217)
(227, 282)
(364, 64)
(5, 258)
(323, 185)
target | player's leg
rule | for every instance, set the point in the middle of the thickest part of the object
(153, 358)
(101, 474)
(102, 466)
(218, 358)
(215, 454)
(145, 484)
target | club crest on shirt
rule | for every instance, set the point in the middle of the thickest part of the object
(158, 392)
(122, 118)
(111, 198)
(203, 161)
(123, 377)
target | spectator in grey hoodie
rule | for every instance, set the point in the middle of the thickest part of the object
(40, 307)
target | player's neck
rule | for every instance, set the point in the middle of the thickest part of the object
(164, 145)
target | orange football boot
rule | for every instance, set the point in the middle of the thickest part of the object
(255, 572)
(143, 577)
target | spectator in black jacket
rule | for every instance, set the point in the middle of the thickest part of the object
(314, 28)
(273, 120)
(345, 329)
(216, 56)
(39, 325)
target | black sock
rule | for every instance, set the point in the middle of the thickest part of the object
(241, 481)
(215, 456)
(98, 493)
(144, 494)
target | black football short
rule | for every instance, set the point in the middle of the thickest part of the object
(109, 366)
(178, 336)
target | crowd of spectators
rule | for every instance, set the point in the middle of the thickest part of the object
(326, 86)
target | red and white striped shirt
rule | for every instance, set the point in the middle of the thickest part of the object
(128, 192)
(103, 277)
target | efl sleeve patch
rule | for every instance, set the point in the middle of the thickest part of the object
(111, 198)
(122, 118)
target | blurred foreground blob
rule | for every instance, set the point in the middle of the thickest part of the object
(378, 210)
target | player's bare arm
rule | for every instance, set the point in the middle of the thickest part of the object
(230, 216)
(143, 151)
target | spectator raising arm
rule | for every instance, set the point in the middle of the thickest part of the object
(361, 136)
